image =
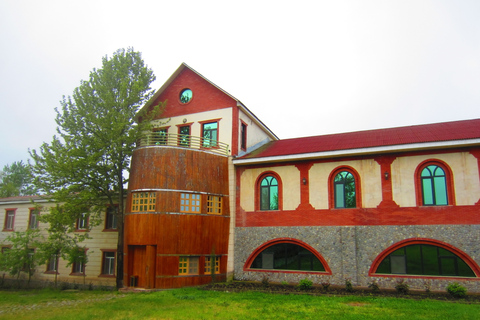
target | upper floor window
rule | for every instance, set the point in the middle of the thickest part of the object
(190, 202)
(184, 136)
(214, 205)
(269, 193)
(33, 219)
(423, 259)
(111, 218)
(434, 186)
(144, 201)
(186, 95)
(344, 189)
(82, 222)
(210, 134)
(9, 220)
(243, 136)
(161, 136)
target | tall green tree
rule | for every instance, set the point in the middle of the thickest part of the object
(85, 167)
(16, 180)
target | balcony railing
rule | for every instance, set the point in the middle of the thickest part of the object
(182, 141)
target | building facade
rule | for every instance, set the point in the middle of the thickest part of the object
(213, 193)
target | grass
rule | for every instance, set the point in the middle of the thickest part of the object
(194, 303)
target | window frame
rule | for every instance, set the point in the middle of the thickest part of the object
(33, 212)
(423, 241)
(248, 264)
(149, 206)
(105, 264)
(9, 223)
(258, 192)
(332, 188)
(449, 188)
(184, 139)
(214, 205)
(217, 130)
(186, 205)
(162, 138)
(109, 217)
(190, 265)
(243, 135)
(208, 265)
(81, 224)
(55, 259)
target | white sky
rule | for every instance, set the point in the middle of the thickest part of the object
(303, 67)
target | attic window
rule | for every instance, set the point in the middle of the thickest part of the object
(186, 95)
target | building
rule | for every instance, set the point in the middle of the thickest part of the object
(214, 193)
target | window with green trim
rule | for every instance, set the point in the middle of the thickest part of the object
(269, 193)
(287, 256)
(424, 259)
(344, 190)
(434, 186)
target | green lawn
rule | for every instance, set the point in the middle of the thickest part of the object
(193, 303)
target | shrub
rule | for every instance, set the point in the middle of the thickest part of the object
(284, 283)
(265, 281)
(305, 284)
(402, 287)
(374, 287)
(325, 285)
(348, 285)
(456, 290)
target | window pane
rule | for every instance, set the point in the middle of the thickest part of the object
(427, 192)
(447, 266)
(273, 198)
(398, 264)
(430, 260)
(464, 270)
(440, 191)
(414, 259)
(339, 196)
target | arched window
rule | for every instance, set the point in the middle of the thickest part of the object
(434, 184)
(285, 255)
(423, 258)
(345, 189)
(269, 193)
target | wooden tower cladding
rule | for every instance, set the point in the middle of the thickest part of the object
(177, 218)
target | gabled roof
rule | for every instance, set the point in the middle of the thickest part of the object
(446, 134)
(239, 103)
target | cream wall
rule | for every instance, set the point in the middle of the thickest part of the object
(290, 177)
(255, 134)
(370, 182)
(224, 125)
(465, 177)
(99, 240)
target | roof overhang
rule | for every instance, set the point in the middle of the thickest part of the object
(360, 151)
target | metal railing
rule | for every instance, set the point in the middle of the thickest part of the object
(182, 141)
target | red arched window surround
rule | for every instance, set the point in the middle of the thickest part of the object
(264, 246)
(257, 190)
(331, 188)
(469, 261)
(448, 178)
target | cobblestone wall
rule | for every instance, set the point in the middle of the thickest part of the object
(350, 251)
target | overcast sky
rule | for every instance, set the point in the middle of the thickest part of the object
(303, 67)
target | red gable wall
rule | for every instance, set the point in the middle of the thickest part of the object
(206, 97)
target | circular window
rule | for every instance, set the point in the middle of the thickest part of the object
(186, 95)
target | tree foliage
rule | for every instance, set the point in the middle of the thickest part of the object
(85, 166)
(20, 255)
(16, 180)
